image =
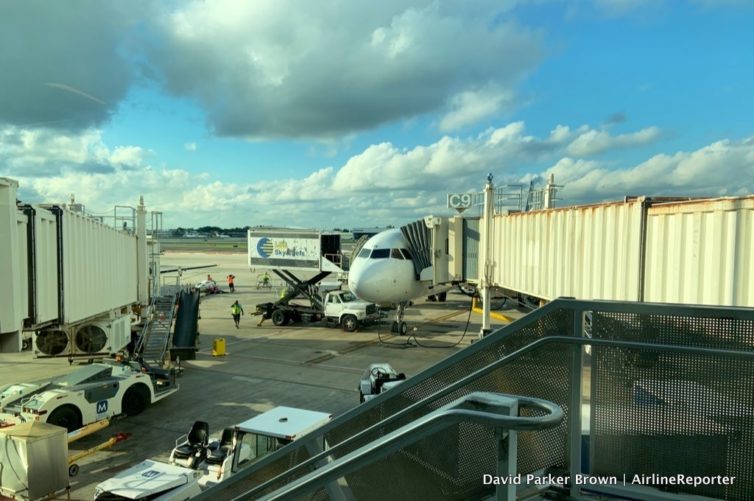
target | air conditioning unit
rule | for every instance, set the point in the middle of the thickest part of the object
(91, 338)
(100, 337)
(51, 343)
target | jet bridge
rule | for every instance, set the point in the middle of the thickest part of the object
(428, 242)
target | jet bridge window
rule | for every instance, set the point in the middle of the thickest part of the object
(380, 253)
(396, 254)
(364, 252)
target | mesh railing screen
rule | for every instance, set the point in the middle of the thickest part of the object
(450, 464)
(666, 413)
(652, 411)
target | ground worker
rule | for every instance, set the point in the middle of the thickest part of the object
(231, 285)
(236, 310)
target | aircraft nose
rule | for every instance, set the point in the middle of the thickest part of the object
(363, 282)
(365, 287)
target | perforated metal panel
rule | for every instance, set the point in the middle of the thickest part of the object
(655, 409)
(450, 464)
(666, 413)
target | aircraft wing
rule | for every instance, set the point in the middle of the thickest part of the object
(185, 268)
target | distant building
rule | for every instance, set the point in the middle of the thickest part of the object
(360, 232)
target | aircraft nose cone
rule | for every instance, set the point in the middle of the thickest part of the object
(364, 286)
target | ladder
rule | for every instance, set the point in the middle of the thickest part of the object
(154, 340)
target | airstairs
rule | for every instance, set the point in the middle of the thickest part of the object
(621, 399)
(154, 341)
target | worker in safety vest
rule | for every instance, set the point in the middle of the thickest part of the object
(231, 283)
(236, 310)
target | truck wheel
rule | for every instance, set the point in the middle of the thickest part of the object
(403, 327)
(66, 416)
(441, 297)
(349, 323)
(361, 397)
(135, 400)
(279, 318)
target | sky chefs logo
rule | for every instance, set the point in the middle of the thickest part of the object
(264, 247)
(280, 248)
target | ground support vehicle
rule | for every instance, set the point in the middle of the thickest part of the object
(334, 307)
(92, 393)
(378, 378)
(208, 287)
(197, 463)
(73, 467)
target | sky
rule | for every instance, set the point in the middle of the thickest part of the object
(356, 113)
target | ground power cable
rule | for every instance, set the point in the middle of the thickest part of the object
(465, 331)
(406, 344)
(409, 344)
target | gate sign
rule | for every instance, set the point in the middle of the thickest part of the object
(459, 201)
(101, 406)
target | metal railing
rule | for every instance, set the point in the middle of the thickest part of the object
(495, 410)
(633, 346)
(152, 344)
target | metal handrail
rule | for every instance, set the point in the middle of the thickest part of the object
(425, 426)
(479, 373)
(147, 329)
(564, 305)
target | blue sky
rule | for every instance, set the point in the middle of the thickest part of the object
(343, 114)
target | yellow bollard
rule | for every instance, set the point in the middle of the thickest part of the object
(218, 347)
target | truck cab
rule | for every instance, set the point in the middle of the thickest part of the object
(345, 309)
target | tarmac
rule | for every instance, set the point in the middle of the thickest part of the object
(306, 366)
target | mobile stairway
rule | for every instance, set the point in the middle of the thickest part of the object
(154, 340)
(649, 394)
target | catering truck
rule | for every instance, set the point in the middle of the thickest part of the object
(336, 308)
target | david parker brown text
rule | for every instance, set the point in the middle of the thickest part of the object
(582, 479)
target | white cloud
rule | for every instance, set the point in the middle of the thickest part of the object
(721, 168)
(383, 184)
(470, 106)
(593, 141)
(42, 152)
(301, 69)
(190, 146)
(268, 68)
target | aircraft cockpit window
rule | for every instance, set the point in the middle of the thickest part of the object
(380, 253)
(396, 254)
(406, 253)
(364, 252)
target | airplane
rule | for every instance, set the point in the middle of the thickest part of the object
(383, 273)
